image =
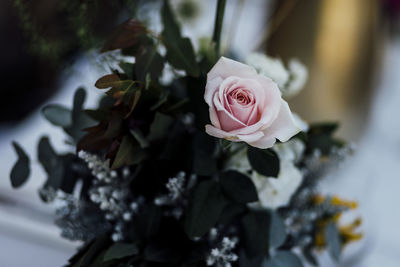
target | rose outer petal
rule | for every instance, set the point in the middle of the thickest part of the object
(226, 67)
(284, 126)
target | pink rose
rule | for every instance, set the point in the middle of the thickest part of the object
(246, 106)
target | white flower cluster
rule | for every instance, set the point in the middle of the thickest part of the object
(109, 193)
(290, 80)
(176, 187)
(223, 255)
(100, 169)
(274, 192)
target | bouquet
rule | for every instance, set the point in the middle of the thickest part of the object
(191, 159)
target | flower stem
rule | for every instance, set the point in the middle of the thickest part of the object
(219, 17)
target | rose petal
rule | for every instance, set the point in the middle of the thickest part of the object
(227, 121)
(211, 87)
(264, 142)
(226, 67)
(284, 126)
(249, 138)
(213, 131)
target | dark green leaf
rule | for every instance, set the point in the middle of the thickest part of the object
(51, 162)
(283, 259)
(277, 230)
(332, 238)
(238, 187)
(204, 161)
(58, 115)
(95, 249)
(139, 137)
(265, 162)
(205, 207)
(21, 169)
(120, 250)
(159, 127)
(80, 120)
(129, 153)
(150, 62)
(256, 229)
(147, 223)
(180, 53)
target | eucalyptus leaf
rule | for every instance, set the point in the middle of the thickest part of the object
(277, 232)
(58, 115)
(332, 239)
(265, 162)
(283, 259)
(205, 207)
(21, 169)
(120, 250)
(238, 187)
(51, 163)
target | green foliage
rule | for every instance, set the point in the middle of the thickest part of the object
(51, 162)
(332, 239)
(238, 187)
(205, 207)
(180, 53)
(320, 136)
(21, 169)
(58, 115)
(283, 259)
(120, 250)
(256, 233)
(277, 230)
(265, 162)
(204, 161)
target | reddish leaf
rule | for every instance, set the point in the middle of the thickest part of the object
(125, 35)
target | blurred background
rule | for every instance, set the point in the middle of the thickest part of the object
(350, 47)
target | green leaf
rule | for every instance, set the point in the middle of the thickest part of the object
(265, 162)
(180, 53)
(139, 137)
(332, 238)
(204, 161)
(107, 81)
(120, 250)
(51, 162)
(277, 231)
(205, 207)
(129, 153)
(159, 127)
(21, 169)
(80, 120)
(150, 62)
(283, 259)
(58, 115)
(238, 187)
(309, 256)
(256, 229)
